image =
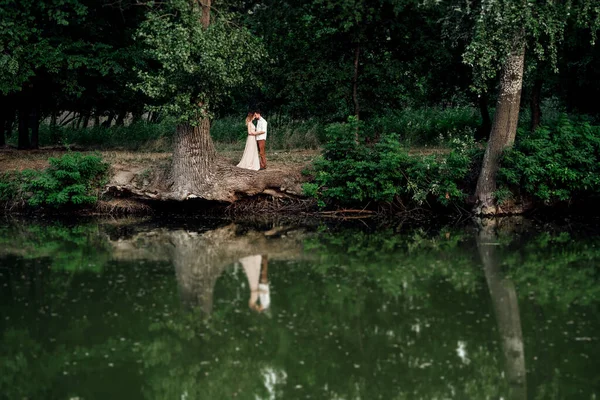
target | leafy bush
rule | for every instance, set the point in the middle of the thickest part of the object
(9, 187)
(72, 179)
(554, 164)
(350, 172)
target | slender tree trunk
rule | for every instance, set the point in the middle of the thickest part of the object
(483, 133)
(96, 119)
(2, 130)
(535, 104)
(504, 127)
(86, 119)
(206, 4)
(121, 119)
(34, 124)
(3, 123)
(10, 121)
(23, 140)
(53, 119)
(506, 308)
(355, 82)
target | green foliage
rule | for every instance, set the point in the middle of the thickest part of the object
(554, 164)
(196, 68)
(350, 172)
(72, 179)
(496, 28)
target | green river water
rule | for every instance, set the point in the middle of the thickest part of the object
(154, 309)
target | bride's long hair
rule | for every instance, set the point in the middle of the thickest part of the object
(249, 117)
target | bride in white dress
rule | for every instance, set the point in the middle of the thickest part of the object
(250, 158)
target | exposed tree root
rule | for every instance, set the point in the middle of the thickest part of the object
(225, 183)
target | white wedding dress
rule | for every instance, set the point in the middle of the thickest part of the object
(250, 158)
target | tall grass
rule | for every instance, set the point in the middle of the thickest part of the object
(426, 126)
(139, 136)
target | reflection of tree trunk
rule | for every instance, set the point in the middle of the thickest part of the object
(506, 308)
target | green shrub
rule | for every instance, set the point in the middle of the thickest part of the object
(72, 179)
(9, 187)
(350, 172)
(555, 164)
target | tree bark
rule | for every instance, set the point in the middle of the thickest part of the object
(23, 140)
(206, 4)
(504, 127)
(535, 104)
(506, 308)
(194, 155)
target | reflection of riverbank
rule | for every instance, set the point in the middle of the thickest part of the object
(200, 258)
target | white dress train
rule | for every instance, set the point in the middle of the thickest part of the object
(250, 158)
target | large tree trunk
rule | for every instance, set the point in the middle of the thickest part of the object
(504, 127)
(536, 110)
(194, 157)
(506, 308)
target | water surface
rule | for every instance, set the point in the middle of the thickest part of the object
(149, 310)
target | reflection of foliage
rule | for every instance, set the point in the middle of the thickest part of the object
(396, 262)
(557, 269)
(71, 248)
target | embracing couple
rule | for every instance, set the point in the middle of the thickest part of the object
(254, 156)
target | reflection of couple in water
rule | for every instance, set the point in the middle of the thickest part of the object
(256, 272)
